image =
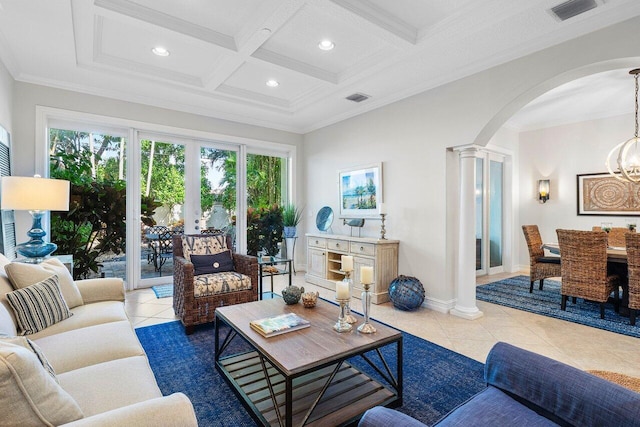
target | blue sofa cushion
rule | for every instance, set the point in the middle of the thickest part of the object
(492, 407)
(380, 416)
(566, 394)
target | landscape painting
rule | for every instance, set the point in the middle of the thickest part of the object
(361, 191)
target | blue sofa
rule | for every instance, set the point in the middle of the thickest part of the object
(527, 389)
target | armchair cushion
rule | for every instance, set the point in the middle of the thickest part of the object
(203, 245)
(22, 275)
(209, 264)
(219, 283)
(38, 306)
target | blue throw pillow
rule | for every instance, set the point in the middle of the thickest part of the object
(209, 264)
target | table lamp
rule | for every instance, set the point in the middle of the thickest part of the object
(36, 195)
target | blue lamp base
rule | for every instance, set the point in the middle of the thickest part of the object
(36, 248)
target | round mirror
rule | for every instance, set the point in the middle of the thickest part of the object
(324, 218)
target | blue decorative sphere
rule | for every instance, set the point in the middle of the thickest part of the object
(406, 293)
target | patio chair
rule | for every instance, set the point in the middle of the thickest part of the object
(196, 296)
(540, 266)
(584, 268)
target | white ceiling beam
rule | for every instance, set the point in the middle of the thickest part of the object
(163, 20)
(381, 18)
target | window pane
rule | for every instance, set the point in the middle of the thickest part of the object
(266, 193)
(495, 214)
(217, 189)
(94, 229)
(479, 212)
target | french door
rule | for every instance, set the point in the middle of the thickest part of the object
(490, 213)
(185, 186)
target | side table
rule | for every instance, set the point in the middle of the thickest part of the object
(270, 261)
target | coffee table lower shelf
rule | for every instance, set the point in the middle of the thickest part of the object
(349, 395)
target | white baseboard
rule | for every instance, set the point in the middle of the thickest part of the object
(439, 305)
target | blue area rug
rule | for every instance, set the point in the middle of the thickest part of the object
(514, 293)
(163, 291)
(436, 380)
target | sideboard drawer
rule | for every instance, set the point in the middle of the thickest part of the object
(317, 242)
(368, 249)
(338, 245)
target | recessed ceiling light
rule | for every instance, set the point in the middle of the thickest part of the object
(160, 51)
(326, 45)
(272, 83)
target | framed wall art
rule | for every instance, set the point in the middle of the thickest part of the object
(360, 191)
(601, 194)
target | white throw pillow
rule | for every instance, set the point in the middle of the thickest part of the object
(38, 306)
(203, 245)
(22, 275)
(28, 394)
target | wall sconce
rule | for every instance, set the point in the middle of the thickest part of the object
(543, 190)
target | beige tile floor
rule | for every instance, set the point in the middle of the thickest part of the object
(581, 346)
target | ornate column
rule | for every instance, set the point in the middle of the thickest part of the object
(466, 273)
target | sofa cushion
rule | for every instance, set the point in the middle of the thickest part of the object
(492, 407)
(209, 264)
(86, 315)
(23, 275)
(562, 392)
(35, 349)
(28, 394)
(38, 306)
(203, 245)
(91, 345)
(113, 384)
(220, 283)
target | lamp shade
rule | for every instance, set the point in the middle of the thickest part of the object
(34, 194)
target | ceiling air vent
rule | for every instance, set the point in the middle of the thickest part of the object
(358, 97)
(572, 8)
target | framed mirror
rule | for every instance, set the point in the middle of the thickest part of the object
(324, 218)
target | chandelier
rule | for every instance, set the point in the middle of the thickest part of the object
(628, 152)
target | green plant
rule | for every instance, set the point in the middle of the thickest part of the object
(291, 215)
(264, 230)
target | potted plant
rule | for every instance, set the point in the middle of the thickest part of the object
(291, 217)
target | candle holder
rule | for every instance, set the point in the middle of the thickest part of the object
(366, 327)
(382, 230)
(348, 316)
(342, 325)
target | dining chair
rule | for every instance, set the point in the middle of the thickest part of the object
(615, 236)
(584, 268)
(633, 266)
(540, 266)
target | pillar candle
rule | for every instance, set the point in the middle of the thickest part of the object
(347, 263)
(342, 290)
(366, 274)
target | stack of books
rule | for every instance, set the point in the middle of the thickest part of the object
(283, 323)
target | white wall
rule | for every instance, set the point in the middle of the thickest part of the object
(560, 153)
(6, 99)
(411, 138)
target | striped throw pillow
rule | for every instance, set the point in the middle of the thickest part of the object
(38, 306)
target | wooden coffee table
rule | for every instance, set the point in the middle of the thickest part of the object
(306, 371)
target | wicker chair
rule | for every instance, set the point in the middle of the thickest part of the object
(194, 310)
(584, 268)
(615, 236)
(633, 265)
(540, 266)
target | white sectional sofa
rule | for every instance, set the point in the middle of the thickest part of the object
(102, 375)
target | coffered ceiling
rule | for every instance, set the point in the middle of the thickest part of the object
(222, 52)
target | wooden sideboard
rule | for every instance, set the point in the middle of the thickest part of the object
(324, 259)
